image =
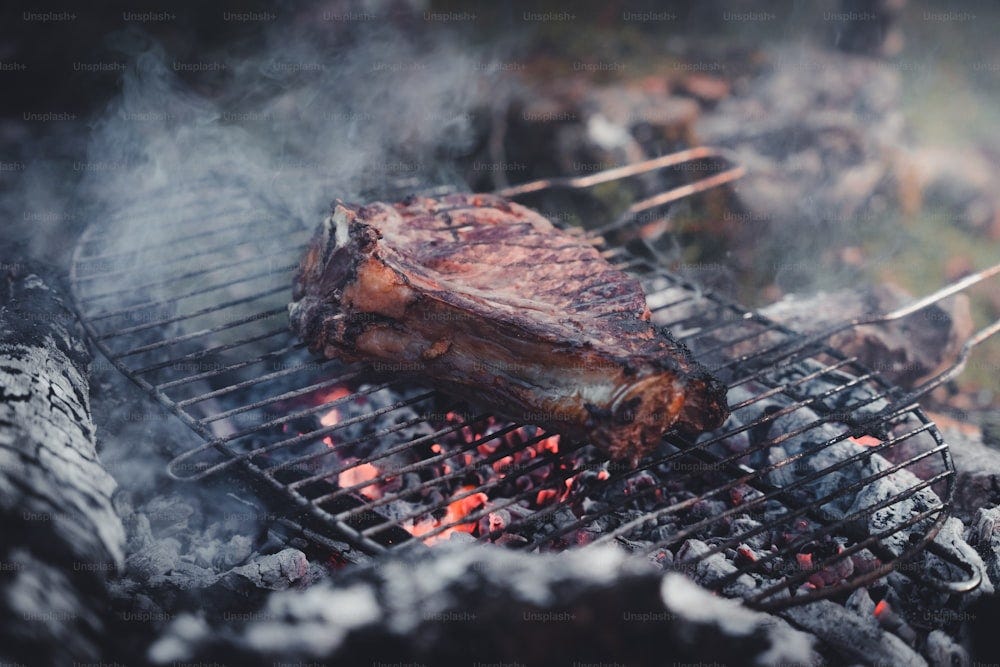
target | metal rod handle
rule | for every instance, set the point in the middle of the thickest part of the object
(583, 182)
(882, 318)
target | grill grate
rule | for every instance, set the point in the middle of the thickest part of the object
(822, 466)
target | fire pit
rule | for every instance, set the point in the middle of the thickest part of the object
(825, 478)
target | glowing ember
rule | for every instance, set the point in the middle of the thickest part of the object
(866, 441)
(881, 608)
(332, 416)
(360, 474)
(457, 510)
(805, 561)
(546, 495)
(549, 444)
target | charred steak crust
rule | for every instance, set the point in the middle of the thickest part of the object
(489, 301)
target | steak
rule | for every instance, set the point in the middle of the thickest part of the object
(490, 302)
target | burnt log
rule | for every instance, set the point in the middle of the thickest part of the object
(460, 603)
(61, 536)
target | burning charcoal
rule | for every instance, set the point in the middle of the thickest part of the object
(591, 506)
(662, 534)
(511, 540)
(818, 458)
(169, 515)
(228, 555)
(896, 514)
(893, 622)
(978, 467)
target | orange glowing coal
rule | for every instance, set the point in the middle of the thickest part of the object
(866, 441)
(457, 510)
(360, 474)
(332, 416)
(549, 444)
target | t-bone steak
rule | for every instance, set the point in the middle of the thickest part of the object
(489, 302)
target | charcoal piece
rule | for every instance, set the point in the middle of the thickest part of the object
(490, 302)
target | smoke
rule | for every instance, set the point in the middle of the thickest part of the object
(299, 119)
(244, 147)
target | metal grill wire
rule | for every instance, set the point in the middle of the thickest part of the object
(197, 317)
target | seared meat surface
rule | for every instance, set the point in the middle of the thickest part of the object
(490, 302)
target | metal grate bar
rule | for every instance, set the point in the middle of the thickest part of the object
(288, 395)
(201, 333)
(198, 292)
(733, 459)
(201, 354)
(208, 310)
(187, 379)
(238, 386)
(205, 252)
(416, 466)
(184, 238)
(402, 447)
(801, 541)
(867, 543)
(222, 266)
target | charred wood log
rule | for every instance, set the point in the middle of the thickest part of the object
(467, 603)
(61, 536)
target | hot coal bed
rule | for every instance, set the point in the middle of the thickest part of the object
(184, 484)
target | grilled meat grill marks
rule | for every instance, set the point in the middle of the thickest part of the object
(489, 302)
